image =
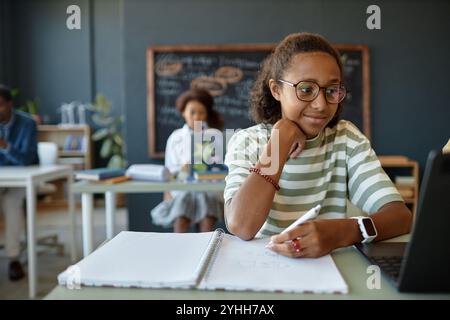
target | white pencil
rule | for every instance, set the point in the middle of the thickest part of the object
(311, 214)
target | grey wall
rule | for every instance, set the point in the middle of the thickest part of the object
(59, 65)
(51, 62)
(108, 51)
(410, 111)
(5, 41)
(409, 59)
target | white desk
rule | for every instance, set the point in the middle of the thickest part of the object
(87, 189)
(30, 177)
(351, 264)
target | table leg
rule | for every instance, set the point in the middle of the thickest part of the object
(87, 205)
(31, 238)
(72, 218)
(110, 204)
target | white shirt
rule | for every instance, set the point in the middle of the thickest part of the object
(178, 147)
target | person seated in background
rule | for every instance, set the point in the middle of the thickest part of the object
(18, 147)
(184, 208)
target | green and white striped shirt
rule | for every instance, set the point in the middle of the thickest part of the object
(337, 165)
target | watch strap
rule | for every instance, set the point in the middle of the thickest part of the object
(366, 237)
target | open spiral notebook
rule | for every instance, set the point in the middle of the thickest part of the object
(211, 260)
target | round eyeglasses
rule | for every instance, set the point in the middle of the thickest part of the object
(309, 90)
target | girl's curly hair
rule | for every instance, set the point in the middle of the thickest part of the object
(264, 108)
(214, 119)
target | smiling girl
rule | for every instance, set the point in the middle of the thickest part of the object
(318, 158)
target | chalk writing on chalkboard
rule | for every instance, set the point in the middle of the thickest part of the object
(228, 73)
(355, 61)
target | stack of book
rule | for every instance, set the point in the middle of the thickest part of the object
(405, 186)
(75, 143)
(209, 175)
(104, 175)
(77, 163)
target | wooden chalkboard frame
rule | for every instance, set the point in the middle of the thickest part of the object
(364, 49)
(152, 50)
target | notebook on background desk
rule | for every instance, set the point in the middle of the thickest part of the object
(210, 260)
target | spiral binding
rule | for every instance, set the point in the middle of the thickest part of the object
(208, 262)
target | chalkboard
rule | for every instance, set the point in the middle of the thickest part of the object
(355, 60)
(228, 73)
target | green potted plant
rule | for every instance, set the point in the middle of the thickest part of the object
(30, 106)
(108, 132)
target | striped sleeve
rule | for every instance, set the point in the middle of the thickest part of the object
(369, 186)
(242, 154)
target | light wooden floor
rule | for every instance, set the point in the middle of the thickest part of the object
(50, 264)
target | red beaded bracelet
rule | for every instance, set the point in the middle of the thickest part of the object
(258, 171)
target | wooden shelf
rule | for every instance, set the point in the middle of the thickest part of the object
(78, 159)
(59, 134)
(399, 162)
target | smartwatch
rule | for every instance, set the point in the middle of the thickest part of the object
(367, 228)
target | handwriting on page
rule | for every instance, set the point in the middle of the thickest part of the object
(263, 259)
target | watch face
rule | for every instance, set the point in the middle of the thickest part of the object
(370, 228)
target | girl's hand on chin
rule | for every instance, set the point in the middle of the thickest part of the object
(292, 134)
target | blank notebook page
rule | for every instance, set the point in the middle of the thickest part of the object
(145, 260)
(248, 265)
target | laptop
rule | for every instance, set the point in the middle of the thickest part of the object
(422, 264)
